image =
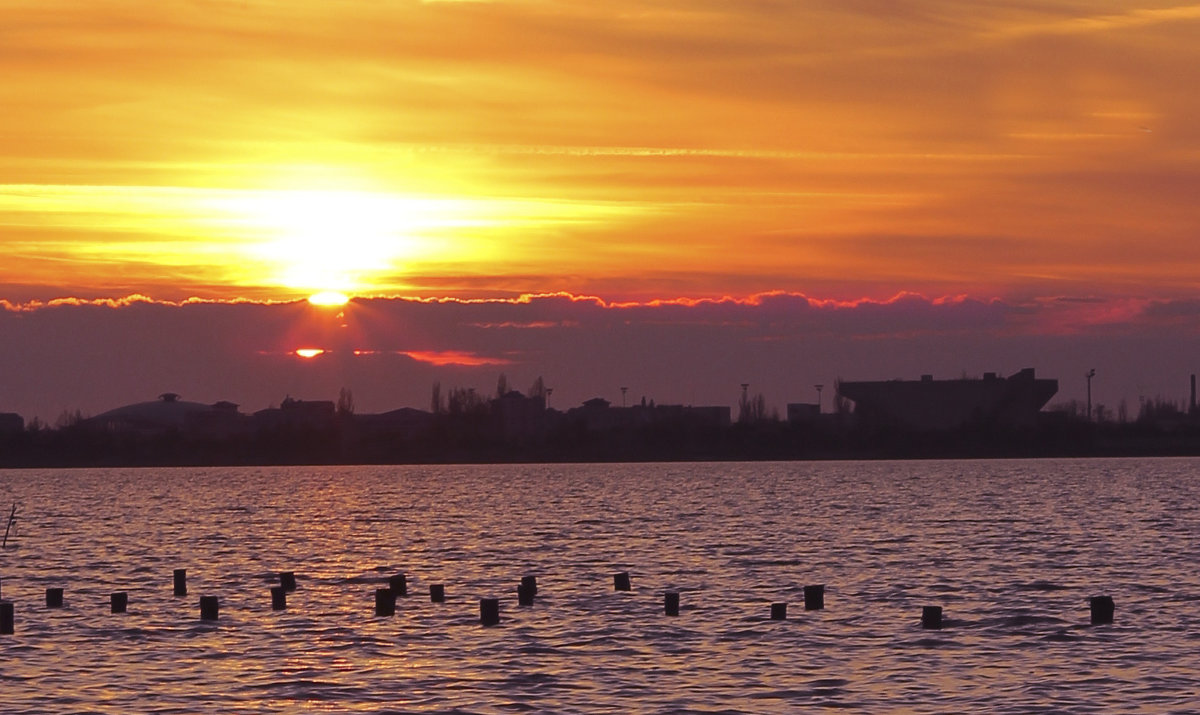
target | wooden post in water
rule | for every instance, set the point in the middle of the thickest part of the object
(6, 618)
(385, 602)
(671, 603)
(621, 581)
(525, 594)
(1102, 610)
(180, 582)
(287, 580)
(54, 598)
(931, 617)
(530, 584)
(398, 584)
(278, 598)
(778, 611)
(437, 593)
(209, 608)
(118, 602)
(489, 611)
(814, 597)
(12, 516)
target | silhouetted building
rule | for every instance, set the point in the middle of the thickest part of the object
(11, 423)
(519, 418)
(597, 415)
(801, 413)
(929, 405)
(298, 414)
(405, 423)
(170, 414)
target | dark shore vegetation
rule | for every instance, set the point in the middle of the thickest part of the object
(471, 438)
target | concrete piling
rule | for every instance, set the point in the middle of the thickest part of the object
(778, 611)
(530, 584)
(621, 581)
(489, 611)
(1102, 610)
(385, 602)
(209, 608)
(118, 602)
(180, 582)
(54, 598)
(671, 603)
(279, 598)
(437, 593)
(287, 580)
(6, 618)
(398, 584)
(931, 617)
(814, 597)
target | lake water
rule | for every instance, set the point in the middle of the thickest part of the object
(1011, 549)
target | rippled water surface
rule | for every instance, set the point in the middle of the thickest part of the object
(1011, 549)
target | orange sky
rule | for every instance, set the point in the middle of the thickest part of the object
(660, 148)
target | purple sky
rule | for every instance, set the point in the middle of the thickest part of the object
(94, 357)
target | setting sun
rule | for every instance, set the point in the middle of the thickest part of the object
(329, 298)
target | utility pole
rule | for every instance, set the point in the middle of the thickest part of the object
(1089, 375)
(819, 388)
(549, 392)
(623, 391)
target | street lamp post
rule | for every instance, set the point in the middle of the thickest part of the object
(819, 388)
(623, 391)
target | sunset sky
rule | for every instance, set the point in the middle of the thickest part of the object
(703, 193)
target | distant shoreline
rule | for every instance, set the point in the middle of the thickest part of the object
(732, 445)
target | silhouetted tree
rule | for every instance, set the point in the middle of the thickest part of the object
(538, 388)
(435, 402)
(465, 401)
(68, 419)
(345, 403)
(752, 410)
(502, 385)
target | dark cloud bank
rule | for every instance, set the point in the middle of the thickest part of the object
(96, 356)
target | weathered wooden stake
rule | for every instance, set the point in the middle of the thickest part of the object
(399, 584)
(489, 611)
(287, 579)
(119, 602)
(209, 608)
(278, 598)
(671, 603)
(814, 597)
(1102, 610)
(525, 594)
(180, 582)
(437, 593)
(6, 618)
(530, 584)
(54, 598)
(778, 611)
(621, 581)
(385, 602)
(931, 617)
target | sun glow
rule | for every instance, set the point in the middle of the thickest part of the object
(335, 241)
(329, 298)
(309, 353)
